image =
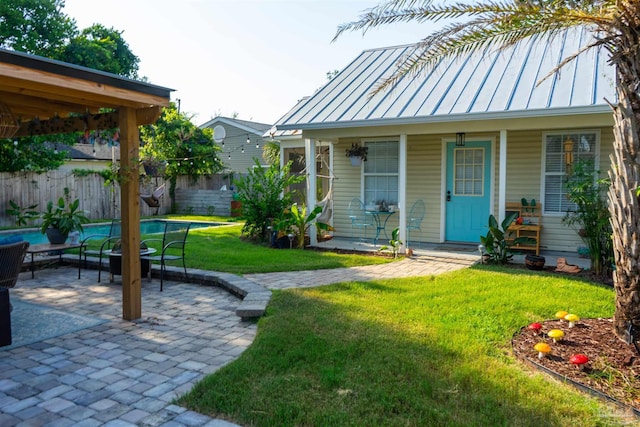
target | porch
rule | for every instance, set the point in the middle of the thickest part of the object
(448, 251)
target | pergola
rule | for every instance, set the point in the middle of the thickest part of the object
(52, 97)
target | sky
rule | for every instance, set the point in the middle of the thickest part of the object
(253, 58)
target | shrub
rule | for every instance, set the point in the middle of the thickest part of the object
(263, 198)
(296, 220)
(23, 215)
(496, 242)
(591, 218)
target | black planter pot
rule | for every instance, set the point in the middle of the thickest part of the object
(56, 237)
(115, 265)
(282, 242)
(534, 262)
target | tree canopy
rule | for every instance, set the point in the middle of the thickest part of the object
(103, 49)
(40, 27)
(35, 26)
(29, 154)
(179, 145)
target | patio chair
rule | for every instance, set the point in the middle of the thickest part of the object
(107, 242)
(173, 241)
(414, 220)
(359, 218)
(11, 259)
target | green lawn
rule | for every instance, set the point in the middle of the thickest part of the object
(221, 249)
(429, 351)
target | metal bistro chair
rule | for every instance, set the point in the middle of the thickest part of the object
(11, 259)
(173, 241)
(414, 220)
(359, 218)
(108, 240)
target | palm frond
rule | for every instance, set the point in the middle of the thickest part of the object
(479, 26)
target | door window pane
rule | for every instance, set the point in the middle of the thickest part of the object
(469, 167)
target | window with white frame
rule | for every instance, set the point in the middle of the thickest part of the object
(381, 172)
(562, 151)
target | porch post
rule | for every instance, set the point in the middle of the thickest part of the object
(282, 159)
(310, 160)
(130, 202)
(502, 176)
(402, 191)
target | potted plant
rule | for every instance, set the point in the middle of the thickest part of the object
(498, 242)
(357, 154)
(60, 219)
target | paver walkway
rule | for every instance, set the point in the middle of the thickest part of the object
(123, 373)
(421, 265)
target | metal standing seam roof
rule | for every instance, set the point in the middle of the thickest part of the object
(482, 85)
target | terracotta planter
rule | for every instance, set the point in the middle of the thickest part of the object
(236, 208)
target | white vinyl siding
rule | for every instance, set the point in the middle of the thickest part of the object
(557, 164)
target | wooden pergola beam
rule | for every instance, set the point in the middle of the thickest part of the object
(87, 122)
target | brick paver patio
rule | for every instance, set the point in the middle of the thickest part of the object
(123, 373)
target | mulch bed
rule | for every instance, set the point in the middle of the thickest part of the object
(613, 371)
(613, 368)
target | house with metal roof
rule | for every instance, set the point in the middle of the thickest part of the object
(240, 142)
(468, 137)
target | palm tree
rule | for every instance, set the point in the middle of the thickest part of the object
(615, 25)
(271, 152)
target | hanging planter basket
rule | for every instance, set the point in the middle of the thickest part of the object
(8, 124)
(357, 153)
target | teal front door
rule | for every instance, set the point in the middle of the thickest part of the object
(467, 193)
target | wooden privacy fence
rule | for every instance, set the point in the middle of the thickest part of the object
(100, 201)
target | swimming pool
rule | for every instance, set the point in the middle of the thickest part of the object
(35, 237)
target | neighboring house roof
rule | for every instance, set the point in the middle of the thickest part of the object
(252, 127)
(477, 86)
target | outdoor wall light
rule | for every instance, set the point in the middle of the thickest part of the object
(460, 139)
(248, 140)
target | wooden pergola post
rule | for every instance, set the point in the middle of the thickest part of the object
(130, 199)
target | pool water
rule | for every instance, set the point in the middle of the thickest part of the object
(35, 237)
